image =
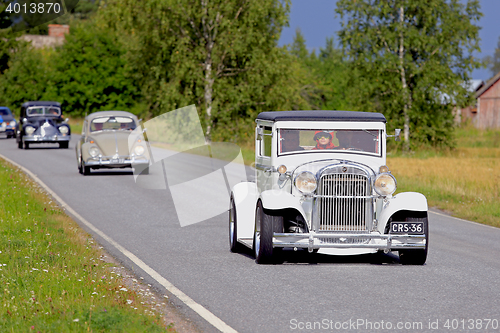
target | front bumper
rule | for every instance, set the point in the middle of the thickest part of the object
(119, 162)
(384, 242)
(8, 131)
(47, 139)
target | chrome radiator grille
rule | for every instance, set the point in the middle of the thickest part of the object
(345, 207)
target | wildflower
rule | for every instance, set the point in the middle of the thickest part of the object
(76, 320)
(129, 301)
(123, 289)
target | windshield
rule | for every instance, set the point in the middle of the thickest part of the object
(332, 140)
(43, 110)
(4, 112)
(112, 123)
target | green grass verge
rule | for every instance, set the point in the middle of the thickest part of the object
(464, 181)
(51, 275)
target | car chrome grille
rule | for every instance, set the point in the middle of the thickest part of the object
(343, 203)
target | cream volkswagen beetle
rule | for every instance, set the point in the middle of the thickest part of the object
(322, 184)
(104, 143)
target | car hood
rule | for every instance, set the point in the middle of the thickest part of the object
(6, 119)
(112, 142)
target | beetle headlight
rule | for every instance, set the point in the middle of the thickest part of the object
(306, 182)
(64, 130)
(385, 184)
(29, 130)
(139, 150)
(93, 151)
(12, 123)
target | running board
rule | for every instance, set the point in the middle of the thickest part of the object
(248, 242)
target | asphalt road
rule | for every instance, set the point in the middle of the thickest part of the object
(309, 292)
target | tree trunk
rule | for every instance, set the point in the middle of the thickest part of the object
(209, 83)
(406, 95)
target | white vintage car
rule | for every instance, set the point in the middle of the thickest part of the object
(322, 184)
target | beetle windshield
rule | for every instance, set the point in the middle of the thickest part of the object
(43, 111)
(331, 140)
(111, 123)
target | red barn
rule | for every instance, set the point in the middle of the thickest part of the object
(486, 112)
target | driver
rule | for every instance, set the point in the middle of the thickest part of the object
(323, 140)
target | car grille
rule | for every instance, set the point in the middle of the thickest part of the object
(346, 207)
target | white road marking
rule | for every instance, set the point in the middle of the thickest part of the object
(462, 220)
(199, 309)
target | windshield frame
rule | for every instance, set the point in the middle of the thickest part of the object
(106, 119)
(45, 111)
(308, 145)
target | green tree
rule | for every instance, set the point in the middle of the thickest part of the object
(305, 71)
(494, 62)
(92, 72)
(87, 73)
(9, 45)
(29, 77)
(323, 78)
(220, 55)
(410, 59)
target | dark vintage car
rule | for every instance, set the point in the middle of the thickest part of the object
(7, 122)
(42, 122)
(105, 143)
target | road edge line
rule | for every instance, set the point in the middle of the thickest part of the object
(199, 309)
(463, 220)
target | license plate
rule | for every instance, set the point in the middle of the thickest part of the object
(407, 228)
(116, 160)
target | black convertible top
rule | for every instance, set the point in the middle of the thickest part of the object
(40, 103)
(321, 115)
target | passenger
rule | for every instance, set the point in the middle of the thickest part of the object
(347, 140)
(97, 126)
(323, 140)
(290, 141)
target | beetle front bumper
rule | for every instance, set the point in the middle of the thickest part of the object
(385, 242)
(46, 139)
(118, 162)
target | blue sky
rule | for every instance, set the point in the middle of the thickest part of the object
(316, 19)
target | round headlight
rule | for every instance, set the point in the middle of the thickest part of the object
(64, 129)
(29, 130)
(385, 184)
(12, 123)
(93, 151)
(139, 150)
(305, 182)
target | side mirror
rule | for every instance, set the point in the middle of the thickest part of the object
(397, 134)
(66, 120)
(260, 133)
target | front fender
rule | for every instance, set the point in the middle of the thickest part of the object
(84, 150)
(245, 196)
(278, 199)
(411, 201)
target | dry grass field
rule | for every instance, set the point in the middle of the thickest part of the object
(464, 181)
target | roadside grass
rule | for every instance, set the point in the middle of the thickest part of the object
(464, 182)
(52, 275)
(76, 125)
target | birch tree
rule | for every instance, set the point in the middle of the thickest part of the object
(411, 60)
(221, 55)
